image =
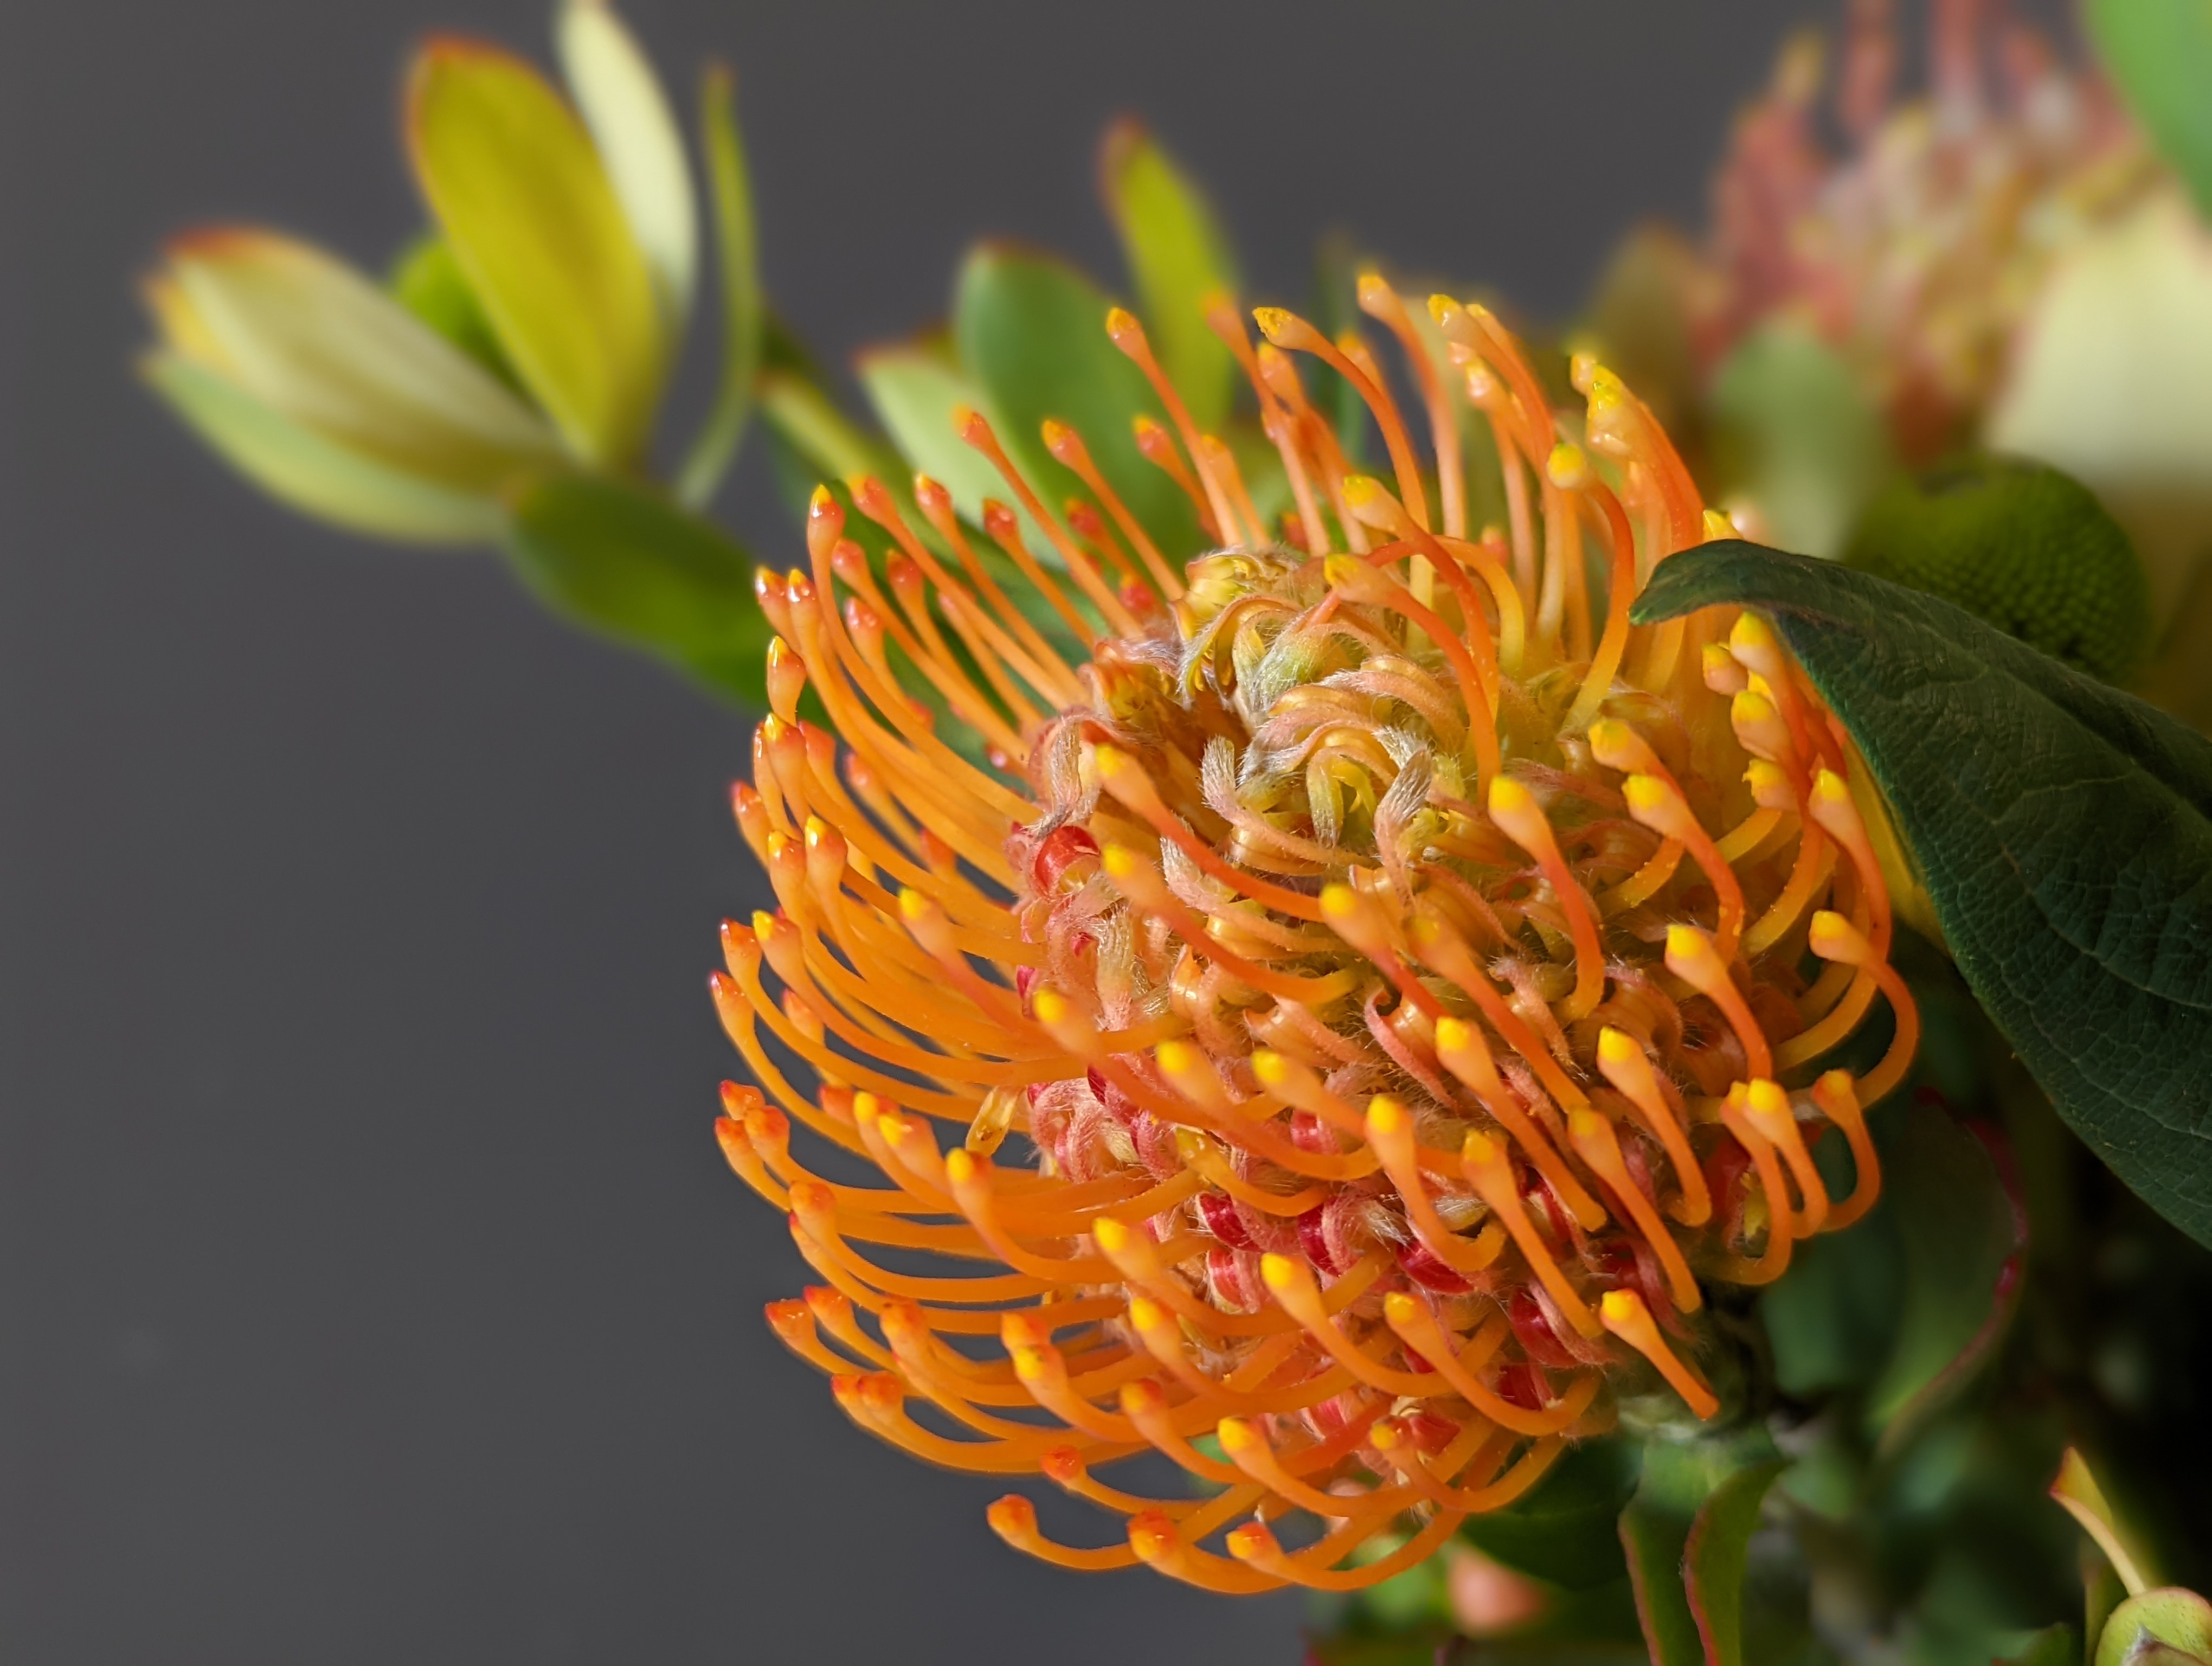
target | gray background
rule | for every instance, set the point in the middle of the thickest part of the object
(373, 1289)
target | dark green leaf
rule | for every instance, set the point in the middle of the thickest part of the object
(1031, 332)
(1962, 1237)
(737, 250)
(2054, 1645)
(1831, 1318)
(627, 563)
(1565, 1531)
(1678, 1479)
(2159, 51)
(2019, 546)
(1178, 257)
(1413, 1648)
(1715, 1556)
(1427, 1648)
(2062, 828)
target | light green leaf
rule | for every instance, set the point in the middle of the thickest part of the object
(1797, 436)
(2103, 1591)
(915, 392)
(810, 421)
(2169, 1625)
(744, 308)
(519, 190)
(2065, 831)
(1714, 1559)
(622, 103)
(1031, 332)
(1179, 255)
(2077, 1493)
(625, 563)
(311, 473)
(309, 337)
(2159, 52)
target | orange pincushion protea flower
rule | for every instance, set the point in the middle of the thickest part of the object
(1392, 971)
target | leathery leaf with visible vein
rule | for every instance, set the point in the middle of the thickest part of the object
(2064, 830)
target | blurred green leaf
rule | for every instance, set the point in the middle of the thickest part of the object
(1639, 318)
(2020, 546)
(520, 191)
(319, 476)
(1261, 466)
(313, 339)
(2054, 1645)
(1428, 1648)
(1831, 1319)
(1797, 435)
(621, 101)
(1566, 1530)
(627, 563)
(1031, 333)
(2062, 828)
(1678, 1479)
(745, 310)
(1714, 1559)
(1418, 1599)
(2159, 52)
(2102, 1592)
(1962, 1237)
(915, 390)
(1413, 1648)
(428, 282)
(1335, 308)
(2169, 1618)
(833, 447)
(1179, 255)
(2076, 1492)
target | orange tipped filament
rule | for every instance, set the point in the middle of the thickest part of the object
(1332, 1058)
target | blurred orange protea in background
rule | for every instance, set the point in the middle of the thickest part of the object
(1405, 981)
